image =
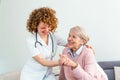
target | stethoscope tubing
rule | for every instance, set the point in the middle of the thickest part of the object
(37, 42)
(52, 54)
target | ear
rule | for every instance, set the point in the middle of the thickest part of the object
(83, 42)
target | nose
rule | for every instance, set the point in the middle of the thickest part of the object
(69, 38)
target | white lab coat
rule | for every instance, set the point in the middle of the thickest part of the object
(32, 70)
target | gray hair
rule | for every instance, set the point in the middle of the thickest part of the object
(79, 31)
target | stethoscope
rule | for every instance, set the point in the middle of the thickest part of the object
(37, 42)
(52, 54)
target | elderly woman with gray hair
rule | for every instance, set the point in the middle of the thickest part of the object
(77, 61)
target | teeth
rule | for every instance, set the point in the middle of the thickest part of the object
(70, 42)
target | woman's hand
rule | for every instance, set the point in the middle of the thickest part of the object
(89, 46)
(64, 60)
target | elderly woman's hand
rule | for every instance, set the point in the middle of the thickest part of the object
(64, 60)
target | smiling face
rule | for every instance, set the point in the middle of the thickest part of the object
(43, 29)
(74, 41)
(77, 37)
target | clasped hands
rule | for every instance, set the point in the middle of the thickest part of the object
(65, 61)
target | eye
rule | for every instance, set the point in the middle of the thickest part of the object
(69, 36)
(74, 36)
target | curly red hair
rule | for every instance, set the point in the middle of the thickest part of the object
(45, 15)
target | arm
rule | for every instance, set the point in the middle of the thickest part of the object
(60, 40)
(45, 62)
(61, 61)
(35, 53)
(86, 73)
(62, 75)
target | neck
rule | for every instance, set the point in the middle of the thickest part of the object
(75, 49)
(45, 38)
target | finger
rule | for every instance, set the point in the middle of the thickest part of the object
(66, 62)
(62, 60)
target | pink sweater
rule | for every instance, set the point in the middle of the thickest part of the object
(87, 68)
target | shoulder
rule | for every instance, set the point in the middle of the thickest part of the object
(87, 50)
(59, 40)
(30, 38)
(88, 55)
(65, 50)
(56, 35)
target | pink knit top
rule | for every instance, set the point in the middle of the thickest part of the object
(87, 68)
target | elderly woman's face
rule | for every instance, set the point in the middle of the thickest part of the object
(43, 29)
(74, 41)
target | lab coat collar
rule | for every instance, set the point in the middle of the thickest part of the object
(42, 41)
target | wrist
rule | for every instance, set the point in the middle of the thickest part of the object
(57, 63)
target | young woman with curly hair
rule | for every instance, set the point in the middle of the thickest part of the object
(42, 43)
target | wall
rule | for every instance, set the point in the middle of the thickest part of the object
(99, 17)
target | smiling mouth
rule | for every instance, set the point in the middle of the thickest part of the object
(44, 32)
(70, 43)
